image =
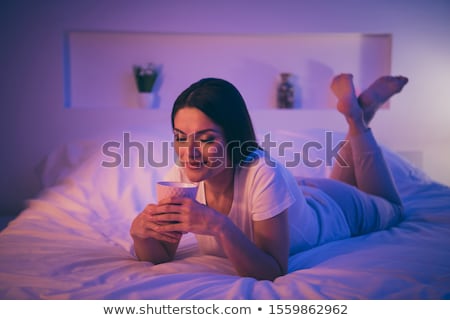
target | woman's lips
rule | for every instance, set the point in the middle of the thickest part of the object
(194, 164)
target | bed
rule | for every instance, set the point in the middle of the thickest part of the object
(72, 240)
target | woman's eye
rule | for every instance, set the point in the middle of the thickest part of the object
(207, 140)
(203, 140)
(179, 139)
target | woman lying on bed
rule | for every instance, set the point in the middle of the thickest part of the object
(249, 208)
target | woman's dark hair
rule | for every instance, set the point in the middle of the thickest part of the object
(222, 103)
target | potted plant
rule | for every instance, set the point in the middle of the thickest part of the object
(145, 77)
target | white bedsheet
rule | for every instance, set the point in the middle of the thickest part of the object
(72, 242)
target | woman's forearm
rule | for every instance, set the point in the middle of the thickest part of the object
(246, 257)
(153, 250)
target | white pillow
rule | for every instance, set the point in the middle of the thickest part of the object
(63, 161)
(109, 175)
(92, 166)
(307, 153)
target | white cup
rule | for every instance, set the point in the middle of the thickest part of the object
(166, 189)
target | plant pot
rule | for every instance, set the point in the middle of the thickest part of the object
(146, 100)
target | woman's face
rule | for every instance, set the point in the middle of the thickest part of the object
(199, 144)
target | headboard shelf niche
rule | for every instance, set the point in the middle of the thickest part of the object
(98, 65)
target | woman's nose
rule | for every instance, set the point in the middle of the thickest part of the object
(193, 149)
(190, 150)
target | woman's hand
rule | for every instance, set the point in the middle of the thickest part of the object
(266, 258)
(186, 215)
(145, 227)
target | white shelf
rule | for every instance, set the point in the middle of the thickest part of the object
(98, 72)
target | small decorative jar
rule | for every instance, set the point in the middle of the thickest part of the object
(285, 93)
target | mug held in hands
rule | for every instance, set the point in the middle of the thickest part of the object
(170, 189)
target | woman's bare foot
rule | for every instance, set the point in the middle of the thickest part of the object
(378, 93)
(342, 87)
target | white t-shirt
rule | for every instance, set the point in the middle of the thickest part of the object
(263, 190)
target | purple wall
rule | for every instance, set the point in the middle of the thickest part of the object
(34, 120)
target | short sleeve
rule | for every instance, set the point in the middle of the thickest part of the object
(269, 191)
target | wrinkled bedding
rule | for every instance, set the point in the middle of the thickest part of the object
(72, 242)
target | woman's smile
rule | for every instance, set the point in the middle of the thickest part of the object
(199, 144)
